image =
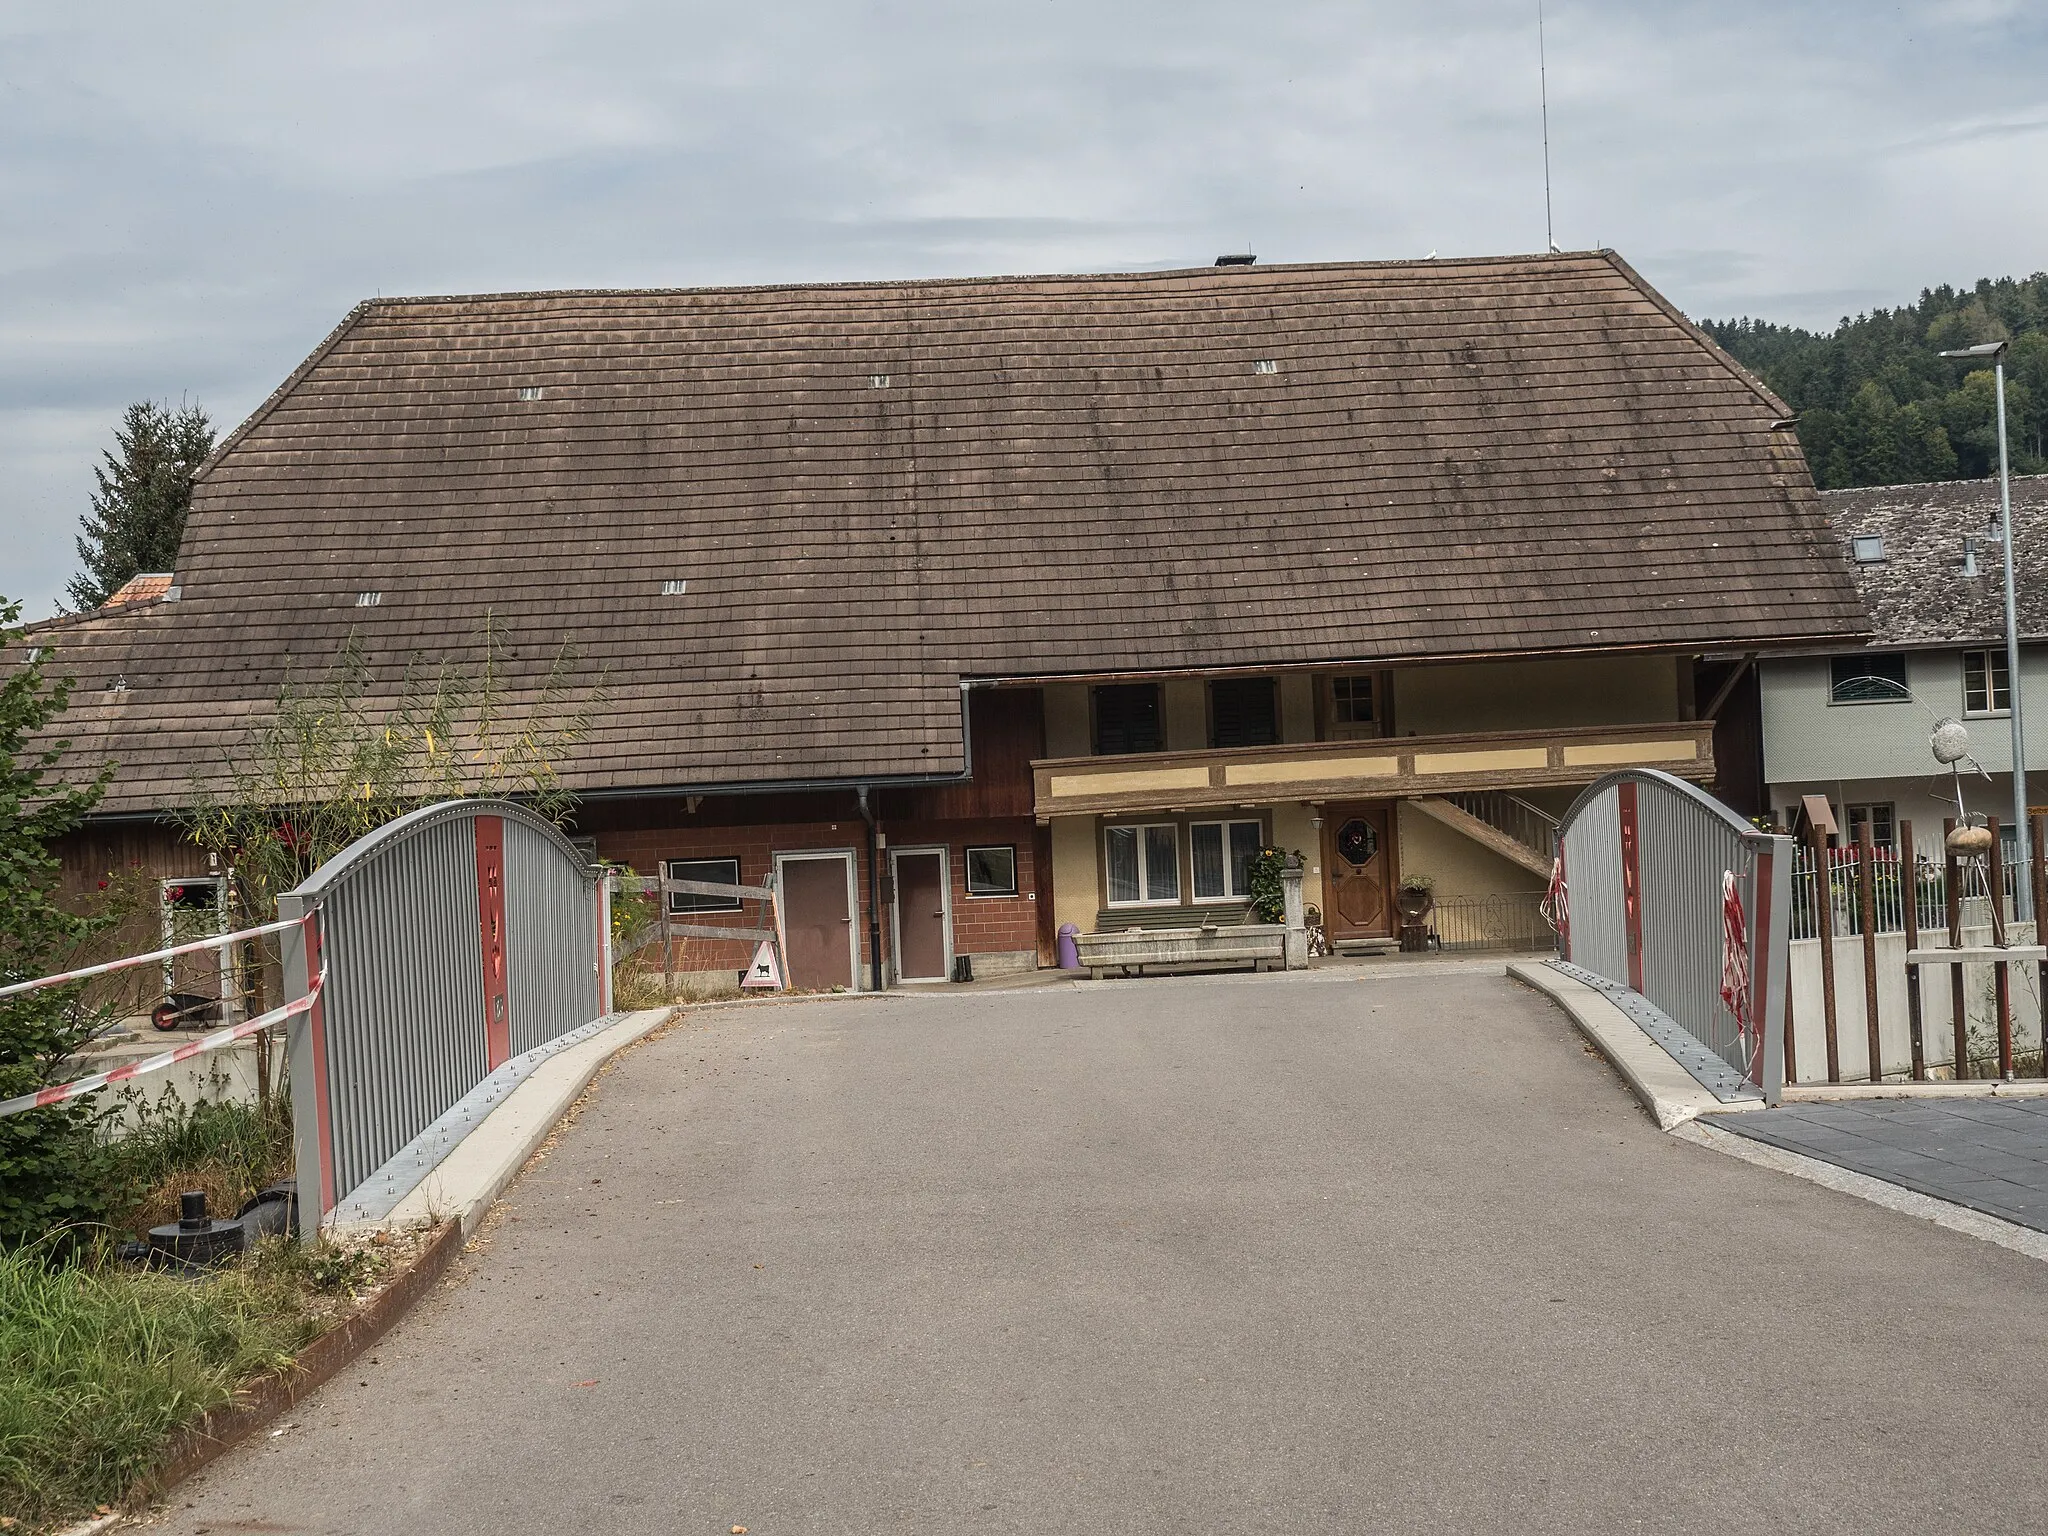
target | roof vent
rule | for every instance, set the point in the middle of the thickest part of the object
(1867, 548)
(530, 391)
(117, 685)
(674, 588)
(1266, 365)
(878, 381)
(369, 599)
(1243, 260)
(1970, 556)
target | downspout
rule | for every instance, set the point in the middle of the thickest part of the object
(874, 892)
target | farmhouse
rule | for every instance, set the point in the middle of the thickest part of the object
(975, 608)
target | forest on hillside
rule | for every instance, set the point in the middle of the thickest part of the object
(1878, 405)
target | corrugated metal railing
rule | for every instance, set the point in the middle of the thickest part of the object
(1644, 858)
(453, 940)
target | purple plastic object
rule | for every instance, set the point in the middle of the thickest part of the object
(1070, 951)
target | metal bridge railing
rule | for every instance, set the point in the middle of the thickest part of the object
(452, 940)
(1645, 864)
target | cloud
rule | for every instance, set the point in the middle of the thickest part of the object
(195, 195)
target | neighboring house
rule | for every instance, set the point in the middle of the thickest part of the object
(972, 608)
(1853, 723)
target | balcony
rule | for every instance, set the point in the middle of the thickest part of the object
(1391, 767)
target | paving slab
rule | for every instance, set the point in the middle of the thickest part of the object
(1323, 1251)
(1988, 1154)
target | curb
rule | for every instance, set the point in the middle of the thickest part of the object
(463, 1184)
(1894, 1197)
(1669, 1092)
(263, 1399)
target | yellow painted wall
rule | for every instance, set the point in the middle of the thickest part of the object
(1459, 866)
(1186, 703)
(1073, 872)
(1297, 706)
(1536, 695)
(1293, 831)
(1066, 720)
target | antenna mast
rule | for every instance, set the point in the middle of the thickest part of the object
(1543, 87)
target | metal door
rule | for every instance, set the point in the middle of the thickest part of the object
(815, 902)
(1358, 855)
(923, 946)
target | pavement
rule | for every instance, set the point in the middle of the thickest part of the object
(1368, 1249)
(1988, 1154)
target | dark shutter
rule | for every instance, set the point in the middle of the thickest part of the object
(1242, 713)
(1127, 718)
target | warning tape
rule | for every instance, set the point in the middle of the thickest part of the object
(62, 977)
(58, 1093)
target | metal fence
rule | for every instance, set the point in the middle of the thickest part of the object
(1644, 860)
(1927, 880)
(452, 940)
(1506, 922)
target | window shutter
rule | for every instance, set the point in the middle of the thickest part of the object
(1242, 713)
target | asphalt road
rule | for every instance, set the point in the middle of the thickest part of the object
(1336, 1251)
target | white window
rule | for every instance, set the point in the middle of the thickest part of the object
(719, 871)
(1878, 818)
(1987, 683)
(992, 871)
(1222, 854)
(1143, 865)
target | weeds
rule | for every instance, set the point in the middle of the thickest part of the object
(100, 1365)
(227, 1149)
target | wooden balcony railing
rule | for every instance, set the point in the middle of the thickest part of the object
(1390, 767)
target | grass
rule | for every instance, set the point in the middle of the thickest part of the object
(99, 1365)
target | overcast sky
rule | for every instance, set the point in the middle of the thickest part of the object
(192, 195)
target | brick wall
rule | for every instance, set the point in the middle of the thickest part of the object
(981, 924)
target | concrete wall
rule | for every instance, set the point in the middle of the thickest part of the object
(1809, 1015)
(1807, 738)
(1536, 695)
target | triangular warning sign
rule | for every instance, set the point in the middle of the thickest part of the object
(766, 971)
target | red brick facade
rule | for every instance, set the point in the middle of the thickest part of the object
(981, 924)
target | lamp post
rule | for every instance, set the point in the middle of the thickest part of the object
(1995, 351)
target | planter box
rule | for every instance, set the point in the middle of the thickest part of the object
(1132, 949)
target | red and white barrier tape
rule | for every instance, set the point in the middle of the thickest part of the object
(81, 974)
(59, 1092)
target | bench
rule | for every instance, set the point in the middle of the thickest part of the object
(1132, 949)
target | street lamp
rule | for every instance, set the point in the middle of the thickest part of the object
(1995, 350)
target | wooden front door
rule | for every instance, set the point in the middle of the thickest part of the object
(921, 948)
(1358, 857)
(816, 908)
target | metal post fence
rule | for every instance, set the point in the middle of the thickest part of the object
(1645, 855)
(453, 939)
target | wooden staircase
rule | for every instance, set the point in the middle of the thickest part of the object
(1516, 830)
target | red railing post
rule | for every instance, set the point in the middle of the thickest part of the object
(1631, 881)
(490, 906)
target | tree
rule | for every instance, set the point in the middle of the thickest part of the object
(49, 1158)
(145, 486)
(338, 758)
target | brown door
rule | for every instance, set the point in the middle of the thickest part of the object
(817, 924)
(1359, 856)
(921, 917)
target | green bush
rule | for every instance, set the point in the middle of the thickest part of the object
(1262, 884)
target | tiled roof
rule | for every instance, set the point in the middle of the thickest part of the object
(871, 491)
(1917, 594)
(145, 588)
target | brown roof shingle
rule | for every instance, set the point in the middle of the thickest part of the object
(1060, 474)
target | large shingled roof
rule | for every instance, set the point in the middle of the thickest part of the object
(1917, 594)
(873, 491)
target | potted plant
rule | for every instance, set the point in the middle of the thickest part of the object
(1415, 896)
